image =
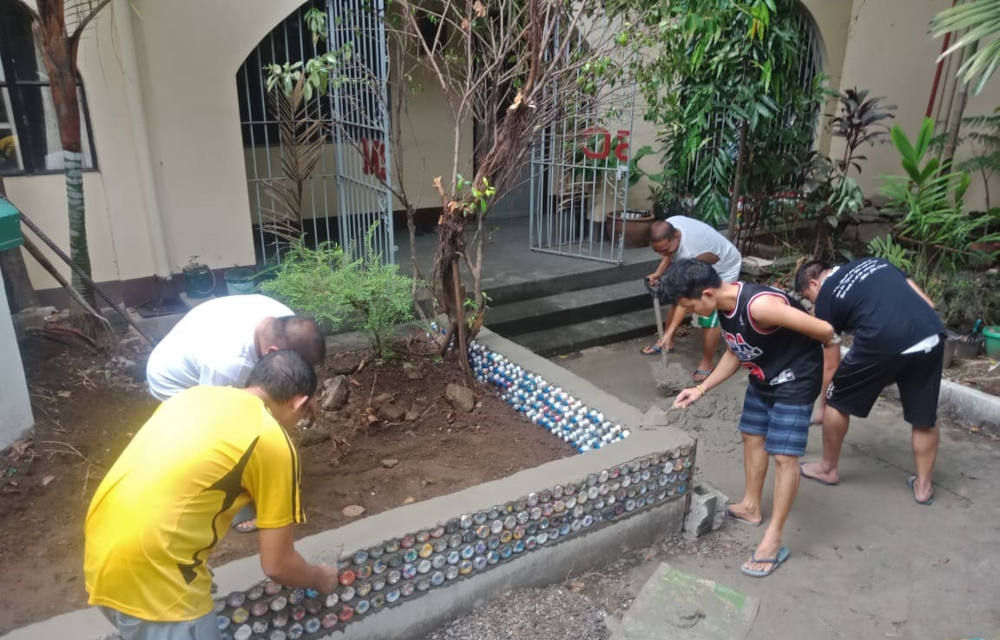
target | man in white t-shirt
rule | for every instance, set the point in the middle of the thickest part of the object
(681, 237)
(218, 342)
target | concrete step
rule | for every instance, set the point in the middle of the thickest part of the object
(583, 279)
(574, 337)
(569, 307)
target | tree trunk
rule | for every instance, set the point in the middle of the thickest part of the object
(59, 55)
(737, 184)
(958, 103)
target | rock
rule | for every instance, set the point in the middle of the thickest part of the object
(353, 510)
(878, 200)
(391, 412)
(409, 500)
(335, 393)
(389, 463)
(869, 231)
(411, 415)
(312, 437)
(411, 371)
(382, 399)
(343, 363)
(869, 214)
(460, 397)
(304, 423)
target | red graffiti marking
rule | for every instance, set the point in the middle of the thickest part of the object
(373, 154)
(606, 144)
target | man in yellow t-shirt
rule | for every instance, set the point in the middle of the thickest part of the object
(172, 494)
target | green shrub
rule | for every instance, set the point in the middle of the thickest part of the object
(307, 280)
(328, 285)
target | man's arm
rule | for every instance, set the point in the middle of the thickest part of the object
(920, 292)
(707, 258)
(282, 563)
(661, 268)
(771, 311)
(728, 365)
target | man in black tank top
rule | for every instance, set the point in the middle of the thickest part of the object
(898, 338)
(781, 345)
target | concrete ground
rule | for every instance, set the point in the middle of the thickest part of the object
(866, 560)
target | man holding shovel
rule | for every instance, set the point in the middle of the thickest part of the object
(771, 336)
(680, 237)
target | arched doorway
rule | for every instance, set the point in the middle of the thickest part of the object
(333, 186)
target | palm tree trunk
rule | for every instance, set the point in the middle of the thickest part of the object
(59, 55)
(737, 184)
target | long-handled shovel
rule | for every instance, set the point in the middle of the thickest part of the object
(659, 327)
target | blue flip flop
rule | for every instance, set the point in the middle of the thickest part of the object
(654, 350)
(930, 499)
(774, 562)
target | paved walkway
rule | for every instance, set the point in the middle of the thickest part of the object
(867, 562)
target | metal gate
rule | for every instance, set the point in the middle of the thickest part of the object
(580, 177)
(344, 195)
(361, 112)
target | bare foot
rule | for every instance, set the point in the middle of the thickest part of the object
(745, 513)
(247, 526)
(817, 471)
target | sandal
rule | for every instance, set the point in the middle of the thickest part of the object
(247, 526)
(775, 562)
(700, 375)
(654, 350)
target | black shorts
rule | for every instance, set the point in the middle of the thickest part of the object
(858, 382)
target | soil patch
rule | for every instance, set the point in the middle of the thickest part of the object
(396, 440)
(979, 373)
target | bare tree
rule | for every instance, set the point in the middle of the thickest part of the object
(52, 22)
(516, 67)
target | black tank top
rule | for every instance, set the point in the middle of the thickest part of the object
(784, 365)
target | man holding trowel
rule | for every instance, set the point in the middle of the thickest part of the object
(680, 237)
(771, 336)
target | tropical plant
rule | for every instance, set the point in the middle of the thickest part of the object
(886, 247)
(325, 284)
(308, 281)
(830, 190)
(982, 133)
(59, 27)
(980, 21)
(935, 226)
(723, 87)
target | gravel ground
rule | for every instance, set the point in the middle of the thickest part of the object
(576, 610)
(554, 613)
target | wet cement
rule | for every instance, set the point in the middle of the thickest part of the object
(866, 560)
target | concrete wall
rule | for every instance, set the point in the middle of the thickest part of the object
(187, 54)
(890, 52)
(15, 406)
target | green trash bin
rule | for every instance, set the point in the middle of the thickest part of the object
(10, 226)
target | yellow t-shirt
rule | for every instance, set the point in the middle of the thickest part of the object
(172, 495)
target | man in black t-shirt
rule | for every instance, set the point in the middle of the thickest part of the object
(772, 337)
(897, 338)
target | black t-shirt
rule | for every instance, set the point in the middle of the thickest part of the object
(871, 299)
(785, 366)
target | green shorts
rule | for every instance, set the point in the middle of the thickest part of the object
(708, 322)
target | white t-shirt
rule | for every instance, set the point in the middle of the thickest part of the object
(212, 345)
(698, 238)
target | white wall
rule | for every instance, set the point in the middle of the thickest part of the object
(15, 407)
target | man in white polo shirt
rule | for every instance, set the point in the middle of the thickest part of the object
(220, 341)
(680, 237)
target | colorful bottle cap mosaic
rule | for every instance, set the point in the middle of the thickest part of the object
(597, 500)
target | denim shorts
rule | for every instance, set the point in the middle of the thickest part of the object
(785, 427)
(130, 628)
